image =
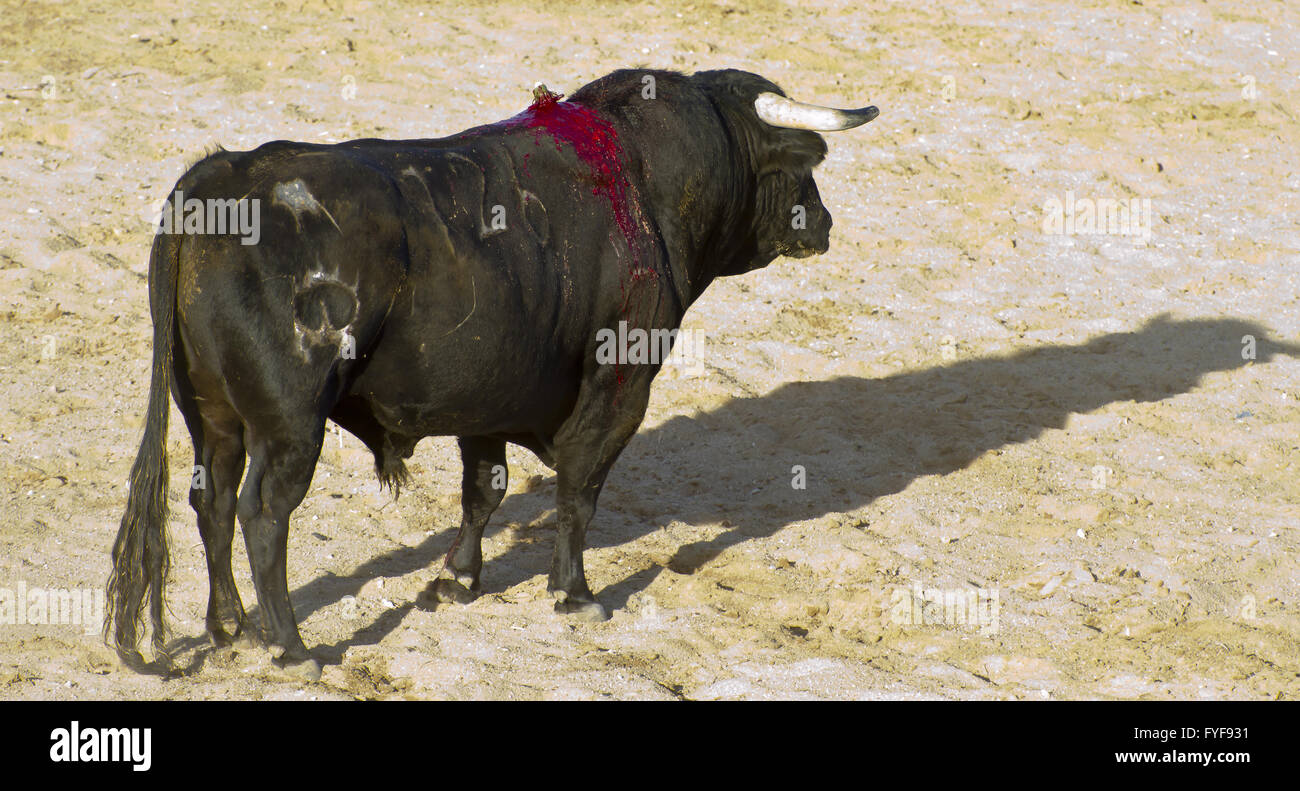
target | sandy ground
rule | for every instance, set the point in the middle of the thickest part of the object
(1074, 423)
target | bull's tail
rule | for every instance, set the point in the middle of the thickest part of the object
(140, 555)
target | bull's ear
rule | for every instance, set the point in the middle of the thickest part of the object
(791, 151)
(776, 148)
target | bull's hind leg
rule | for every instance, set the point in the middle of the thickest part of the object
(279, 474)
(218, 436)
(219, 453)
(483, 485)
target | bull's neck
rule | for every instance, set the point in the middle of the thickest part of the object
(622, 181)
(699, 204)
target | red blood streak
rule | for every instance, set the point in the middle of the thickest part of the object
(595, 142)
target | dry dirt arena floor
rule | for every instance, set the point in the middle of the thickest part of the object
(1101, 430)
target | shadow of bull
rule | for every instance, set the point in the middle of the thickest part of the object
(857, 438)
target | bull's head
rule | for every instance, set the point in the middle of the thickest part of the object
(780, 138)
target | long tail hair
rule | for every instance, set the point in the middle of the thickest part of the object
(140, 554)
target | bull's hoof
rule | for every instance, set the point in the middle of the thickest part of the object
(223, 656)
(308, 668)
(590, 611)
(220, 638)
(247, 639)
(448, 589)
(223, 632)
(223, 647)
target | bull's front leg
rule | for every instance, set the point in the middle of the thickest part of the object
(575, 504)
(586, 450)
(459, 581)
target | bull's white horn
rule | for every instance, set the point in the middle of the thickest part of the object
(789, 114)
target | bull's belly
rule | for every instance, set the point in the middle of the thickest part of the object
(416, 402)
(436, 419)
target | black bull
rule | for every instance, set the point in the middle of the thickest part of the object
(455, 286)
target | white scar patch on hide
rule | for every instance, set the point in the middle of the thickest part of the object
(294, 196)
(327, 334)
